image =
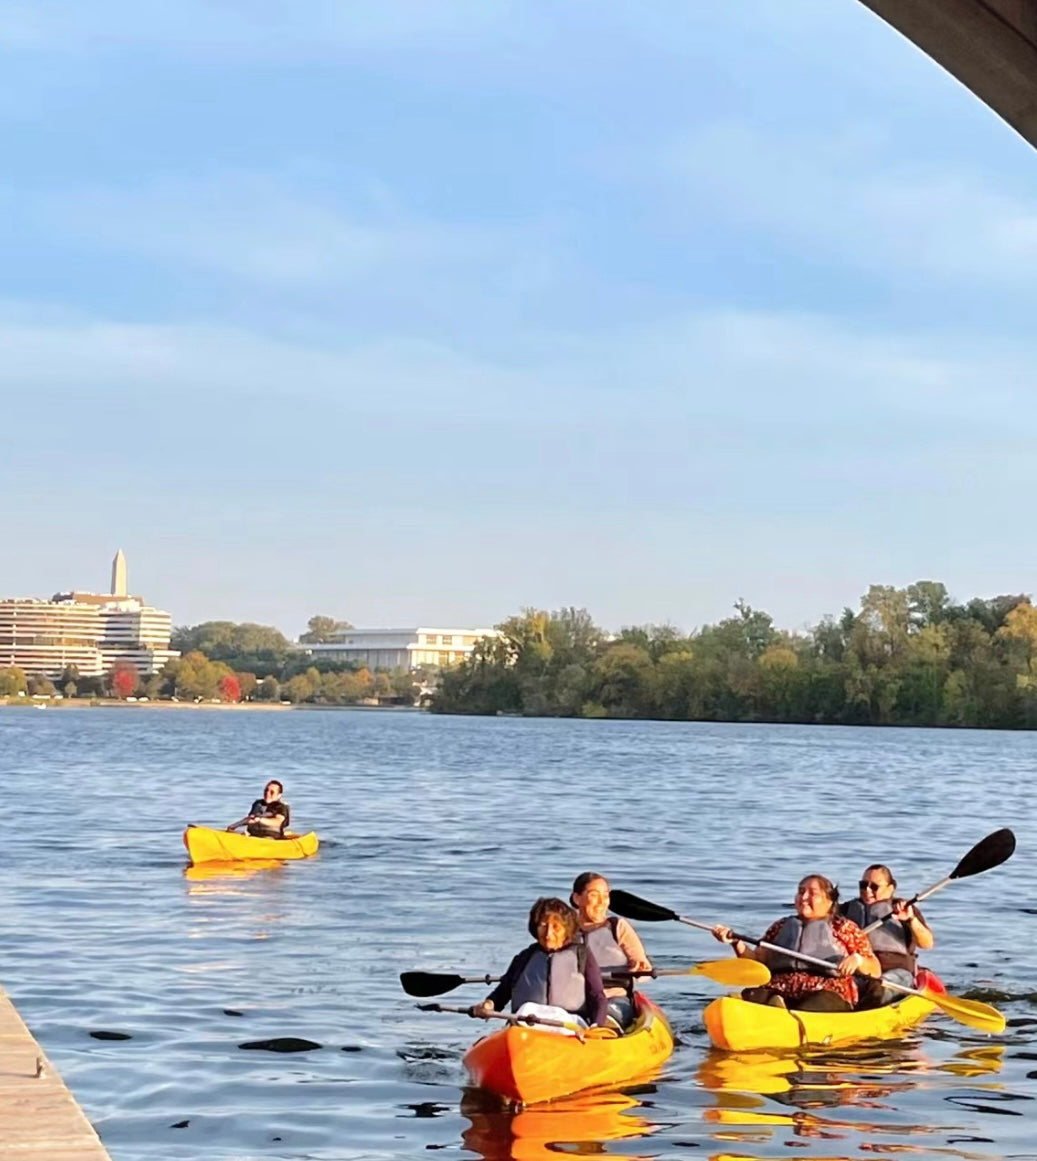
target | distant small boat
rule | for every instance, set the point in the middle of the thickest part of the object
(206, 845)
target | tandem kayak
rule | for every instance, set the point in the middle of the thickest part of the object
(206, 845)
(739, 1026)
(528, 1064)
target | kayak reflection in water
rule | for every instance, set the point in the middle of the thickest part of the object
(558, 970)
(902, 933)
(268, 816)
(817, 929)
(612, 941)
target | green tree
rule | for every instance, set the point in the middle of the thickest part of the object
(41, 685)
(13, 681)
(198, 677)
(320, 630)
(298, 688)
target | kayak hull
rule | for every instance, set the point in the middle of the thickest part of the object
(206, 845)
(527, 1064)
(739, 1026)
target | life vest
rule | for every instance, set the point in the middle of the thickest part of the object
(603, 943)
(813, 937)
(268, 824)
(892, 943)
(553, 977)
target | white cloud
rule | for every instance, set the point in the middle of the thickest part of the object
(747, 374)
(254, 228)
(842, 198)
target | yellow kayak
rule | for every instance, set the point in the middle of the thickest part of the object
(206, 845)
(738, 1026)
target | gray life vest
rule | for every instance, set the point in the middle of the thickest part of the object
(604, 946)
(892, 943)
(813, 937)
(552, 977)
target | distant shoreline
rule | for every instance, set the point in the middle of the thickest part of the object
(247, 706)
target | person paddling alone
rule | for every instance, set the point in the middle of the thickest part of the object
(613, 942)
(817, 929)
(557, 971)
(896, 943)
(268, 816)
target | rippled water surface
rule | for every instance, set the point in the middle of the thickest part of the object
(437, 834)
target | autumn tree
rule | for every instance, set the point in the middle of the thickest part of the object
(13, 681)
(123, 680)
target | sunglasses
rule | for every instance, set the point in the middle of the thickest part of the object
(867, 885)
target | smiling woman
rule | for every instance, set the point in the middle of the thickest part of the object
(819, 931)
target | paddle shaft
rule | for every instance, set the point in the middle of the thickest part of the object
(509, 1017)
(823, 963)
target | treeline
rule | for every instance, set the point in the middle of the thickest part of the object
(908, 657)
(268, 667)
(231, 662)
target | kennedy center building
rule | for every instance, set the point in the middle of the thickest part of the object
(90, 631)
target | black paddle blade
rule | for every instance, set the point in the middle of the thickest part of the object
(429, 983)
(634, 907)
(990, 852)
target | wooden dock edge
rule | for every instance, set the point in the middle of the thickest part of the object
(39, 1118)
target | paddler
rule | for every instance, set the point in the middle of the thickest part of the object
(268, 816)
(557, 971)
(817, 929)
(613, 942)
(904, 932)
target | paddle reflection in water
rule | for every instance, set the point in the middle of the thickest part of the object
(578, 1125)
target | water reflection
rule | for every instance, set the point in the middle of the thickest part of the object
(579, 1125)
(861, 1077)
(224, 873)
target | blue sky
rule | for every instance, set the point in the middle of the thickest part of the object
(423, 312)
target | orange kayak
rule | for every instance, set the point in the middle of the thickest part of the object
(529, 1064)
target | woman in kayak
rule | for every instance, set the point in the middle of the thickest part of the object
(613, 942)
(817, 929)
(558, 970)
(896, 943)
(267, 816)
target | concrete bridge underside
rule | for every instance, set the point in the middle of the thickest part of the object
(989, 45)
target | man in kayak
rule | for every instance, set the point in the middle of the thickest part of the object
(903, 932)
(557, 971)
(268, 816)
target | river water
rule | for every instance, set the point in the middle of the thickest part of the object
(437, 834)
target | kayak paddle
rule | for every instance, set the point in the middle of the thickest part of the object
(736, 973)
(436, 983)
(745, 973)
(990, 852)
(509, 1017)
(977, 1015)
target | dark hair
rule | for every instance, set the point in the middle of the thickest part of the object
(829, 888)
(274, 782)
(582, 882)
(544, 907)
(885, 871)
